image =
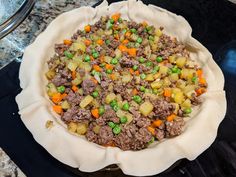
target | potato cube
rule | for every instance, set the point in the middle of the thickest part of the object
(86, 101)
(179, 97)
(72, 127)
(110, 97)
(180, 62)
(157, 84)
(81, 128)
(149, 77)
(163, 69)
(65, 105)
(146, 108)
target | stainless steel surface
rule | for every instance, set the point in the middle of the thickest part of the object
(16, 19)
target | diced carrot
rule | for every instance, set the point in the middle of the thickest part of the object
(136, 73)
(94, 80)
(91, 58)
(157, 123)
(87, 28)
(128, 34)
(97, 68)
(108, 66)
(151, 130)
(131, 71)
(115, 16)
(122, 48)
(144, 23)
(74, 88)
(109, 144)
(73, 74)
(56, 98)
(126, 41)
(57, 109)
(132, 52)
(116, 36)
(87, 42)
(199, 73)
(115, 27)
(67, 42)
(134, 91)
(167, 92)
(171, 117)
(95, 113)
(202, 81)
(100, 41)
(63, 95)
(101, 58)
(113, 76)
(200, 91)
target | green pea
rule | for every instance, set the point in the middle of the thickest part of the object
(156, 68)
(61, 89)
(187, 110)
(151, 141)
(111, 124)
(101, 110)
(133, 30)
(115, 32)
(93, 72)
(151, 38)
(174, 69)
(116, 108)
(149, 64)
(87, 58)
(141, 60)
(149, 28)
(142, 88)
(154, 71)
(139, 40)
(107, 42)
(194, 79)
(125, 107)
(112, 21)
(93, 51)
(95, 54)
(135, 67)
(124, 31)
(108, 71)
(137, 45)
(155, 91)
(95, 94)
(120, 20)
(102, 64)
(148, 91)
(143, 76)
(178, 71)
(145, 30)
(116, 130)
(137, 99)
(123, 119)
(68, 54)
(109, 24)
(159, 59)
(113, 103)
(114, 61)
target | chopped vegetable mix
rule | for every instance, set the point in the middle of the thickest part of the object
(122, 83)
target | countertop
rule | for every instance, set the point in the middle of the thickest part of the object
(44, 11)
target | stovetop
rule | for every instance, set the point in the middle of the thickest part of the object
(214, 25)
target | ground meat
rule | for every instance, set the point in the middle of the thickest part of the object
(160, 134)
(88, 86)
(74, 98)
(195, 100)
(162, 108)
(84, 114)
(110, 115)
(70, 114)
(143, 135)
(132, 24)
(105, 135)
(60, 49)
(127, 62)
(58, 80)
(143, 122)
(100, 121)
(114, 44)
(175, 127)
(91, 136)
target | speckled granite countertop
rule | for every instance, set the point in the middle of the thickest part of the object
(12, 46)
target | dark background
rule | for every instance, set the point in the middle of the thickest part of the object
(214, 25)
